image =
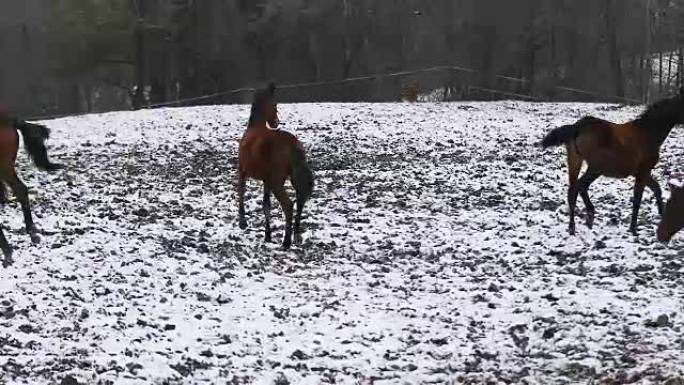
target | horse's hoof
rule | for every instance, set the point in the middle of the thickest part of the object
(268, 239)
(35, 238)
(8, 261)
(33, 233)
(590, 222)
(298, 239)
(243, 225)
(287, 244)
(633, 230)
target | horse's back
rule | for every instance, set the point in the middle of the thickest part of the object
(261, 142)
(263, 152)
(615, 150)
(283, 138)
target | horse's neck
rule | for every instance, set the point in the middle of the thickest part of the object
(257, 125)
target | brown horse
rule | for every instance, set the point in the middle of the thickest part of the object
(673, 217)
(271, 156)
(617, 151)
(34, 141)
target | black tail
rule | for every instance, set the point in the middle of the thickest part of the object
(566, 134)
(302, 176)
(34, 141)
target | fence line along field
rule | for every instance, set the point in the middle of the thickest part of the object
(435, 250)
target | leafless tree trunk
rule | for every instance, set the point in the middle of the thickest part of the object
(614, 50)
(680, 68)
(140, 71)
(660, 72)
(648, 61)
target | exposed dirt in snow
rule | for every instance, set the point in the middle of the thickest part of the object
(436, 251)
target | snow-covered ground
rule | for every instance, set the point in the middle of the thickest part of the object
(436, 251)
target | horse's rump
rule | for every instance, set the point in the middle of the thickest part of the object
(600, 133)
(266, 152)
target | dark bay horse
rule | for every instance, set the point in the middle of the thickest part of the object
(617, 151)
(34, 141)
(673, 217)
(271, 156)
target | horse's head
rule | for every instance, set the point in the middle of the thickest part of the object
(673, 216)
(265, 108)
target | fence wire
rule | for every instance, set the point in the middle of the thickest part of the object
(454, 83)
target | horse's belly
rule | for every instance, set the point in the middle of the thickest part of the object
(257, 173)
(617, 174)
(612, 165)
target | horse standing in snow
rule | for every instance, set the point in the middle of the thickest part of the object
(271, 156)
(673, 217)
(617, 151)
(34, 140)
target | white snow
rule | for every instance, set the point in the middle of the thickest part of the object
(435, 250)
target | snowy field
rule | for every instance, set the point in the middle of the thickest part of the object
(436, 252)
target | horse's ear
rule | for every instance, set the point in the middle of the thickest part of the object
(271, 88)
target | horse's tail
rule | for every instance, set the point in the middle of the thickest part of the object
(302, 176)
(566, 134)
(34, 141)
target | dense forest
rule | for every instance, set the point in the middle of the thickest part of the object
(73, 56)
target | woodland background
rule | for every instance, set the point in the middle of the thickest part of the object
(75, 56)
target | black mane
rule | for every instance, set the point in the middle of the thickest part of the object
(662, 114)
(260, 98)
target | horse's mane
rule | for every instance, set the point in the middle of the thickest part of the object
(661, 114)
(260, 97)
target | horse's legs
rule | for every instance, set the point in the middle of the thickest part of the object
(636, 204)
(657, 191)
(267, 212)
(285, 202)
(3, 194)
(241, 200)
(574, 167)
(584, 183)
(298, 220)
(21, 192)
(6, 250)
